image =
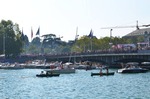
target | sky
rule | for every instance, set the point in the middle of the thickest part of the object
(62, 17)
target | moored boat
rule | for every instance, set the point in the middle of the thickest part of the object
(132, 67)
(11, 66)
(145, 65)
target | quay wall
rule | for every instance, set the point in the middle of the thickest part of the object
(104, 58)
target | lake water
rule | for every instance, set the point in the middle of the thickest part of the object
(23, 84)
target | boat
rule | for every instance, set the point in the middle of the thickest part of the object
(107, 73)
(11, 66)
(102, 74)
(145, 65)
(132, 67)
(47, 74)
(87, 65)
(36, 64)
(62, 71)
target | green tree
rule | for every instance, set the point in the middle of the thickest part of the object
(36, 41)
(52, 44)
(11, 43)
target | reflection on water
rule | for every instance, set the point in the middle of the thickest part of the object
(23, 84)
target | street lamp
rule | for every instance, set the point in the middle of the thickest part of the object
(4, 44)
(110, 43)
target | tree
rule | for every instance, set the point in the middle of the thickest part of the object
(53, 43)
(36, 41)
(82, 44)
(11, 43)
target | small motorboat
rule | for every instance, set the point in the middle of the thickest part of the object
(107, 73)
(102, 74)
(132, 67)
(47, 74)
(61, 71)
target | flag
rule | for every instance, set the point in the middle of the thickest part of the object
(91, 34)
(38, 31)
(31, 33)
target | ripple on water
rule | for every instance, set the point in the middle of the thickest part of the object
(20, 84)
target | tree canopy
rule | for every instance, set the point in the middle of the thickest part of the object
(10, 39)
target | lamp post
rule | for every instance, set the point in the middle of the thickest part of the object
(110, 43)
(91, 43)
(4, 44)
(111, 35)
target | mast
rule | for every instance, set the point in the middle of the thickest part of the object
(76, 37)
(137, 26)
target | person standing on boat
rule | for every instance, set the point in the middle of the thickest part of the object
(42, 72)
(101, 73)
(107, 70)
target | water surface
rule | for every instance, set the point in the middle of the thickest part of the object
(23, 84)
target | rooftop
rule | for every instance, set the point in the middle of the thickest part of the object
(139, 32)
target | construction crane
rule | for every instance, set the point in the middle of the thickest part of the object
(137, 26)
(134, 26)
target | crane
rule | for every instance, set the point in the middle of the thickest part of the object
(134, 26)
(137, 26)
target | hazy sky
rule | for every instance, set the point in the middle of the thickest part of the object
(61, 17)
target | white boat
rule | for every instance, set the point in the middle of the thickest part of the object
(11, 66)
(132, 67)
(41, 64)
(63, 69)
(145, 65)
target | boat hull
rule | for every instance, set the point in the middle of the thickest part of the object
(132, 67)
(10, 68)
(102, 74)
(61, 71)
(47, 75)
(133, 71)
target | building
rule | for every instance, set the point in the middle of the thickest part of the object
(145, 33)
